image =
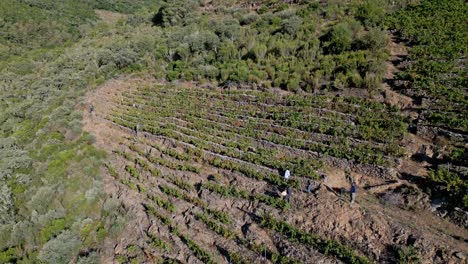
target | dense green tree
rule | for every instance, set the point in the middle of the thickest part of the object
(340, 38)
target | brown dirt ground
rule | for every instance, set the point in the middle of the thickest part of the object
(397, 53)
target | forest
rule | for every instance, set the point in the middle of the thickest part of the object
(206, 103)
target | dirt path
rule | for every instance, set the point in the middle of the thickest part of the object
(107, 138)
(398, 53)
(412, 142)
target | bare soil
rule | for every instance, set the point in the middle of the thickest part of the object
(398, 53)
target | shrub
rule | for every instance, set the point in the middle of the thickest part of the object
(408, 255)
(249, 19)
(456, 186)
(6, 204)
(41, 200)
(61, 249)
(91, 258)
(54, 228)
(371, 12)
(374, 39)
(291, 25)
(173, 14)
(8, 256)
(340, 38)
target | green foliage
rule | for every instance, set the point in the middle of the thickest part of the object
(132, 248)
(26, 25)
(60, 249)
(371, 12)
(327, 247)
(6, 204)
(408, 255)
(123, 6)
(236, 258)
(340, 38)
(133, 171)
(165, 220)
(54, 54)
(216, 227)
(182, 195)
(53, 229)
(458, 155)
(220, 215)
(197, 250)
(435, 29)
(262, 48)
(208, 130)
(164, 204)
(375, 39)
(181, 183)
(455, 184)
(159, 243)
(52, 51)
(8, 255)
(174, 13)
(291, 25)
(111, 170)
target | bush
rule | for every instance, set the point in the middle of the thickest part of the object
(456, 186)
(61, 249)
(375, 39)
(371, 12)
(41, 200)
(173, 14)
(291, 25)
(6, 204)
(92, 258)
(249, 19)
(8, 256)
(408, 255)
(340, 38)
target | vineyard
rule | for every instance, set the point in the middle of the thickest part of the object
(206, 165)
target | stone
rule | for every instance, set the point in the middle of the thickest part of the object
(460, 255)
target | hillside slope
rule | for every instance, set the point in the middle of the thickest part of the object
(160, 131)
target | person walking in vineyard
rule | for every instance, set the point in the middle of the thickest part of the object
(288, 194)
(91, 111)
(287, 174)
(310, 185)
(137, 127)
(353, 192)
